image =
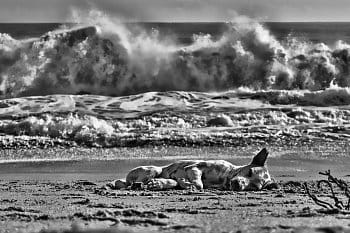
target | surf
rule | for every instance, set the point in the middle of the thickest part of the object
(103, 83)
(103, 56)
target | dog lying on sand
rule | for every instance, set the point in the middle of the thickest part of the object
(201, 174)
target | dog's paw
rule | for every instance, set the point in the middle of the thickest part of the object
(137, 186)
(155, 184)
(161, 184)
(116, 184)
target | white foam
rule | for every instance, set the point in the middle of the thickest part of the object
(103, 56)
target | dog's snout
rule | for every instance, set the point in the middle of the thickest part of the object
(244, 184)
(238, 184)
(234, 185)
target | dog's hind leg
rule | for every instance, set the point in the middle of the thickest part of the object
(143, 174)
(194, 176)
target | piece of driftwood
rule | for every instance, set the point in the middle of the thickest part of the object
(336, 205)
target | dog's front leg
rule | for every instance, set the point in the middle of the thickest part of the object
(161, 184)
(186, 184)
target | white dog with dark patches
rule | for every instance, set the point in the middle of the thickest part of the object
(202, 174)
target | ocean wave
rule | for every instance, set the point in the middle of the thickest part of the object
(101, 55)
(175, 129)
(178, 102)
(332, 96)
(176, 117)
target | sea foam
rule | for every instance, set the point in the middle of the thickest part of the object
(101, 55)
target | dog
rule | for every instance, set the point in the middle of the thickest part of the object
(201, 174)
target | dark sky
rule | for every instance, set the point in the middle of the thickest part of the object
(178, 10)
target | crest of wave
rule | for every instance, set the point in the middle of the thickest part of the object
(248, 55)
(82, 129)
(117, 59)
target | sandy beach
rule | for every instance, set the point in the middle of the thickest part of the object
(68, 196)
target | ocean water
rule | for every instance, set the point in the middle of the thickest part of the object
(107, 57)
(102, 82)
(324, 32)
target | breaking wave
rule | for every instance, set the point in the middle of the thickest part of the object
(175, 119)
(101, 55)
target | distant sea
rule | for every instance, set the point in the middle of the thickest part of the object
(326, 32)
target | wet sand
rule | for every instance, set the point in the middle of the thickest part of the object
(54, 196)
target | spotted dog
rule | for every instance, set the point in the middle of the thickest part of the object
(201, 174)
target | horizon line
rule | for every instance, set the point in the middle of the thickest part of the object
(168, 22)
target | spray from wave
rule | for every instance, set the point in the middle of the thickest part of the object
(101, 55)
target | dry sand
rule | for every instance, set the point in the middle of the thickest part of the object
(68, 196)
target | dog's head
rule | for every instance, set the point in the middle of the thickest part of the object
(254, 176)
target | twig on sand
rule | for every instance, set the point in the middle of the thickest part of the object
(332, 182)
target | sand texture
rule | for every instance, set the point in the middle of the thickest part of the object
(32, 206)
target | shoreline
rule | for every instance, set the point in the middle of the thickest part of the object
(286, 149)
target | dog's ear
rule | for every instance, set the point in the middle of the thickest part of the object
(260, 158)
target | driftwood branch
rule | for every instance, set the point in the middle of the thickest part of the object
(331, 183)
(319, 202)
